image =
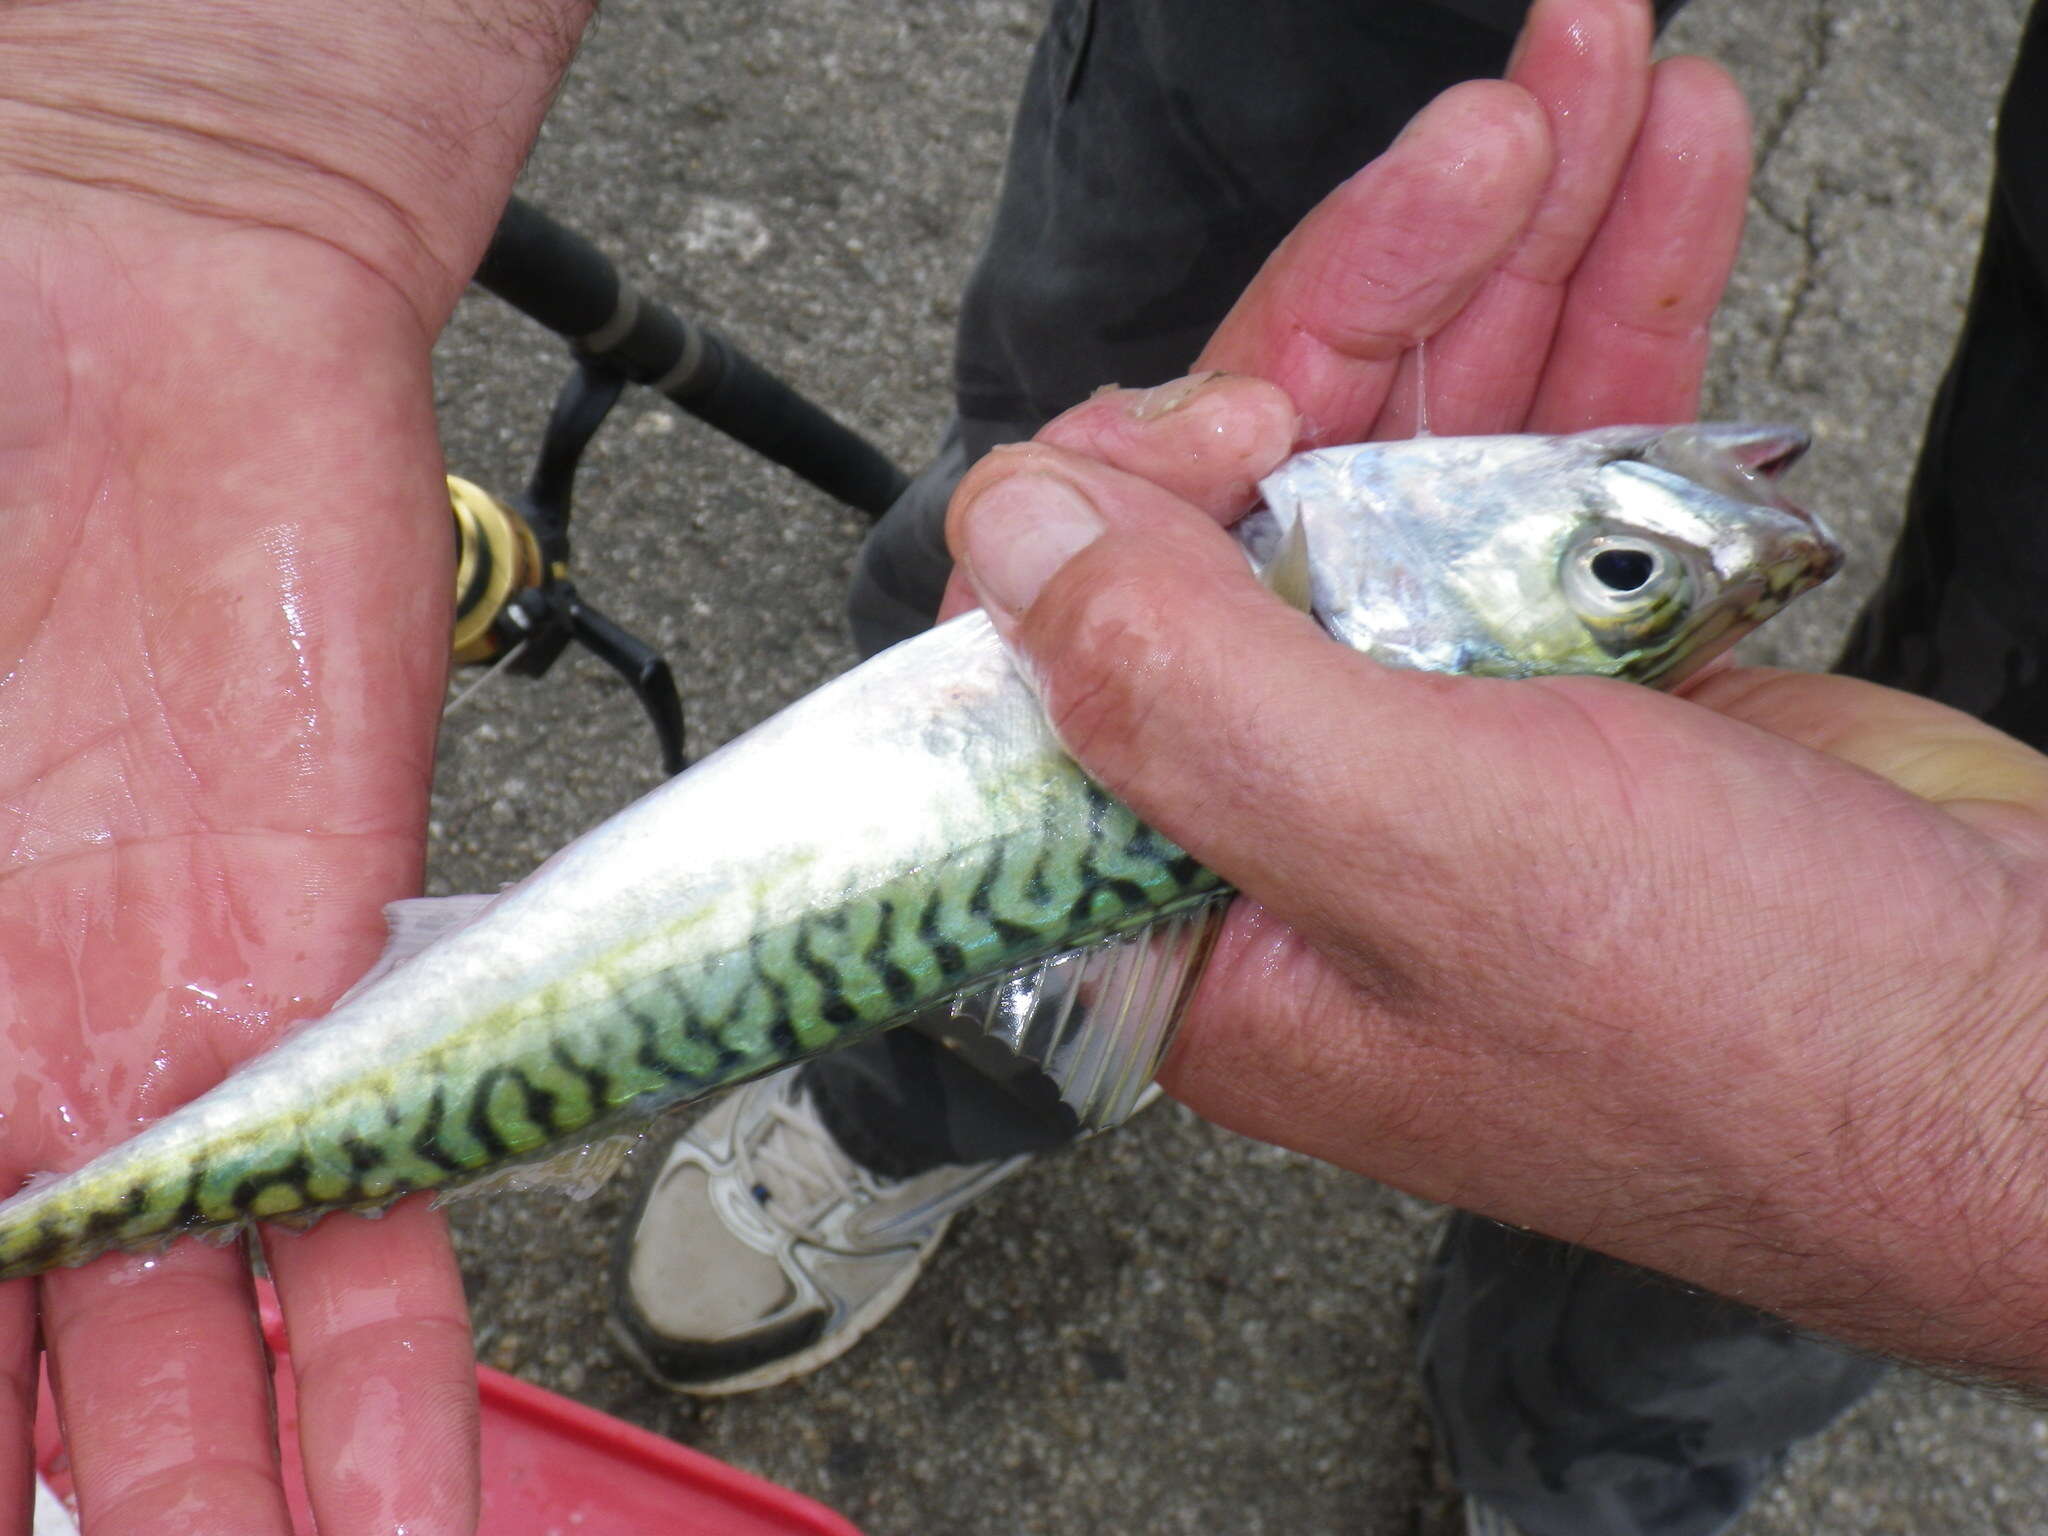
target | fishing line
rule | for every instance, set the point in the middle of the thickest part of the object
(470, 692)
(1422, 388)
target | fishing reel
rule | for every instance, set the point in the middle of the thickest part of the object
(516, 607)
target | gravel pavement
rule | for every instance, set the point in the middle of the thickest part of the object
(1171, 1329)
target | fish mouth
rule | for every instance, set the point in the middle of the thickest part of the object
(1798, 558)
(1748, 463)
(1805, 568)
(1718, 626)
(1807, 555)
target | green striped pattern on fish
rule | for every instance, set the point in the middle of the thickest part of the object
(628, 1033)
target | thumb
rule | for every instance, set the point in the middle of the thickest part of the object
(1295, 768)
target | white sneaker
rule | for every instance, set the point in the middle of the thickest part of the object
(761, 1251)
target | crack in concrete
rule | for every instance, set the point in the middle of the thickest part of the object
(1819, 30)
(1771, 135)
(1804, 281)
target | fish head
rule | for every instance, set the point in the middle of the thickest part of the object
(1629, 552)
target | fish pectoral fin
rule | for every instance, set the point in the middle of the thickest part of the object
(1286, 575)
(578, 1172)
(1097, 1020)
(297, 1221)
(410, 926)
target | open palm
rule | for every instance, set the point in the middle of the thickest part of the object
(228, 237)
(222, 655)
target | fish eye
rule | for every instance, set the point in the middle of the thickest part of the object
(1623, 570)
(1626, 588)
(1615, 573)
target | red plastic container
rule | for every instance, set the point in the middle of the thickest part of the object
(552, 1467)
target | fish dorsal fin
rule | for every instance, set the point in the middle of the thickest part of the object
(1098, 1020)
(1286, 575)
(411, 925)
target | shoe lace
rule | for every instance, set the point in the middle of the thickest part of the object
(798, 1173)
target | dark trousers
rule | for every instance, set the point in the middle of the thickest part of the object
(1162, 149)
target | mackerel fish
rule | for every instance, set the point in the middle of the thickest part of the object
(911, 838)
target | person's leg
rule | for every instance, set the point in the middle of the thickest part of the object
(1576, 1395)
(1161, 150)
(1960, 617)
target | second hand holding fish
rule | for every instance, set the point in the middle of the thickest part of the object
(1747, 992)
(1744, 986)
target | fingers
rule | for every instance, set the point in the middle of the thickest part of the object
(1588, 67)
(380, 1353)
(164, 1389)
(1207, 439)
(1389, 257)
(1927, 749)
(1491, 227)
(1631, 342)
(163, 1383)
(18, 1361)
(1569, 271)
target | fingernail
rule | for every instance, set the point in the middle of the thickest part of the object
(1151, 404)
(1021, 530)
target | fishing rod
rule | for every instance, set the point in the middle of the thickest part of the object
(517, 607)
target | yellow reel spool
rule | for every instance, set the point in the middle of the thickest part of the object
(496, 558)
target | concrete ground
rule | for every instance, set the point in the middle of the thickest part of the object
(1171, 1329)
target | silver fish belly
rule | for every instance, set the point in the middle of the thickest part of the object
(913, 833)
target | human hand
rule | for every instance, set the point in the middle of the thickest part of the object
(1747, 986)
(231, 233)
